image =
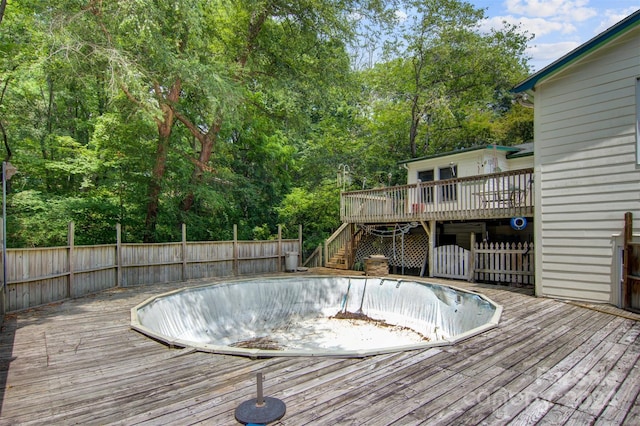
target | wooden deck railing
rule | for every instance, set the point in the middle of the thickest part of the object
(341, 239)
(497, 195)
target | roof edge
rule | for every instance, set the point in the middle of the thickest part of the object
(462, 151)
(616, 30)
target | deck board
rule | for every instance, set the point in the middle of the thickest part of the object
(548, 361)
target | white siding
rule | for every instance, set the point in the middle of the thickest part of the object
(470, 163)
(585, 161)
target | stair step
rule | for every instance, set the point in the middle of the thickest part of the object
(333, 265)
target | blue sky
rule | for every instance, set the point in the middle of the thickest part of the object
(559, 26)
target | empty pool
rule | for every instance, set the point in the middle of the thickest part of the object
(314, 316)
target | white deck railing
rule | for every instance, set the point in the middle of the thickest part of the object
(497, 195)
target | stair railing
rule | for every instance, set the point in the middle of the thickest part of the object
(341, 238)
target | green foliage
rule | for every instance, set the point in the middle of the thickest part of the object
(446, 85)
(318, 211)
(39, 219)
(104, 102)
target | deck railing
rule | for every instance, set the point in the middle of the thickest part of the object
(496, 195)
(341, 239)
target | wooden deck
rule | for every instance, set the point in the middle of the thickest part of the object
(490, 196)
(548, 362)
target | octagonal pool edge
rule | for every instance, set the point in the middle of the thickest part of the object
(202, 316)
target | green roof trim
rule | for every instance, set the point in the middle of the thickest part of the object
(618, 29)
(513, 149)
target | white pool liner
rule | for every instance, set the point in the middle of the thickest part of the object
(292, 316)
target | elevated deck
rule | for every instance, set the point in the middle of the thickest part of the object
(548, 362)
(492, 196)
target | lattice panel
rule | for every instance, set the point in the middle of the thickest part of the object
(416, 246)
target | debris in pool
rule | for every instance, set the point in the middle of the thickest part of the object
(361, 316)
(355, 315)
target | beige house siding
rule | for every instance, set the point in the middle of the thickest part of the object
(586, 171)
(472, 163)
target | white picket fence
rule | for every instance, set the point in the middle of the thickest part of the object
(452, 262)
(511, 263)
(504, 263)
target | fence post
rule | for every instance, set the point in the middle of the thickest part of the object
(280, 248)
(235, 249)
(325, 258)
(3, 293)
(118, 255)
(626, 261)
(472, 258)
(432, 246)
(300, 244)
(70, 259)
(184, 252)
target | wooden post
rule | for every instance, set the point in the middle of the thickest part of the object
(118, 255)
(432, 246)
(184, 252)
(427, 231)
(626, 262)
(326, 254)
(70, 259)
(235, 249)
(472, 258)
(299, 244)
(280, 261)
(3, 291)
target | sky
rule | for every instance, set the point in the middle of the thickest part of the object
(559, 26)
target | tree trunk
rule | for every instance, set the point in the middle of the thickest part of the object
(3, 5)
(413, 130)
(155, 186)
(207, 143)
(196, 176)
(208, 140)
(165, 126)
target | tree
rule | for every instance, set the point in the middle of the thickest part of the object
(214, 113)
(445, 74)
(194, 63)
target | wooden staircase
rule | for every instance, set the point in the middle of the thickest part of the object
(338, 260)
(339, 249)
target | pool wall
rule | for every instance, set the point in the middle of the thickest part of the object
(211, 318)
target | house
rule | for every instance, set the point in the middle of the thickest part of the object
(587, 164)
(476, 163)
(450, 199)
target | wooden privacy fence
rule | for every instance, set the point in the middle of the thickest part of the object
(511, 263)
(37, 276)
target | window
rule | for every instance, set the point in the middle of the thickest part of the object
(426, 194)
(448, 192)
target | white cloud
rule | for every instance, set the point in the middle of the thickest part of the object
(535, 26)
(612, 17)
(551, 51)
(571, 10)
(543, 54)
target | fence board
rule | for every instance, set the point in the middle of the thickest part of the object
(494, 262)
(451, 262)
(37, 276)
